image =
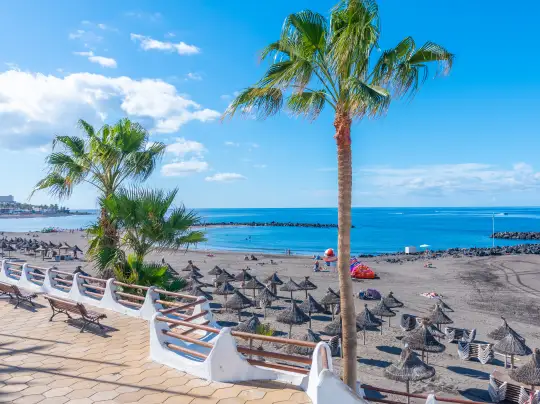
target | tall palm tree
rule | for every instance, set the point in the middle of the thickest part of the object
(104, 159)
(148, 223)
(318, 63)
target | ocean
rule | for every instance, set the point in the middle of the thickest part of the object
(377, 230)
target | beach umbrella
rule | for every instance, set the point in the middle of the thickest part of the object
(254, 285)
(421, 339)
(444, 306)
(225, 289)
(242, 277)
(334, 328)
(238, 302)
(190, 266)
(193, 281)
(265, 299)
(391, 301)
(290, 286)
(250, 325)
(382, 310)
(439, 317)
(528, 373)
(511, 345)
(310, 305)
(9, 249)
(366, 319)
(215, 271)
(197, 291)
(306, 285)
(193, 273)
(501, 331)
(330, 299)
(273, 280)
(309, 336)
(409, 369)
(42, 251)
(172, 271)
(292, 315)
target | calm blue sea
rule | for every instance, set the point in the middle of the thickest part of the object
(378, 230)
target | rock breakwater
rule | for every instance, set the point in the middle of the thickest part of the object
(517, 235)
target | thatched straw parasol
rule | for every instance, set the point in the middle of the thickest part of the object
(330, 299)
(501, 331)
(290, 286)
(439, 317)
(391, 302)
(306, 285)
(292, 315)
(303, 350)
(190, 266)
(366, 319)
(238, 302)
(9, 249)
(243, 276)
(273, 280)
(444, 306)
(195, 282)
(197, 291)
(265, 299)
(409, 369)
(528, 373)
(42, 251)
(225, 289)
(254, 285)
(250, 325)
(215, 271)
(223, 277)
(334, 328)
(511, 345)
(421, 339)
(382, 310)
(193, 273)
(310, 305)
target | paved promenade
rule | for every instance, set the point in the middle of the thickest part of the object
(52, 363)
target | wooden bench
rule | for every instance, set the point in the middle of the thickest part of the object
(15, 293)
(67, 306)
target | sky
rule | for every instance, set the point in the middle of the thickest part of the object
(469, 139)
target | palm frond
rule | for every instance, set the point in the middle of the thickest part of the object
(431, 52)
(307, 25)
(70, 144)
(86, 127)
(366, 99)
(307, 103)
(58, 185)
(263, 102)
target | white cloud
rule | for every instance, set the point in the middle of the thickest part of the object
(170, 35)
(234, 144)
(193, 76)
(446, 179)
(225, 177)
(228, 97)
(148, 43)
(260, 166)
(184, 168)
(101, 60)
(34, 107)
(88, 37)
(181, 147)
(255, 145)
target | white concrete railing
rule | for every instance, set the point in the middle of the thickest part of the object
(217, 359)
(23, 275)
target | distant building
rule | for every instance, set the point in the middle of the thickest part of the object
(7, 198)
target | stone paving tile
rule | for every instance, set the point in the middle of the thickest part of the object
(44, 362)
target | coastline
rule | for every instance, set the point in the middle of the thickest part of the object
(38, 215)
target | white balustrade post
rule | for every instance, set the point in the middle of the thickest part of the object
(149, 307)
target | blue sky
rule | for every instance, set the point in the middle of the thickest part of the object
(469, 139)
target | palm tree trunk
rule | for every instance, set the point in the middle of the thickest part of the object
(342, 123)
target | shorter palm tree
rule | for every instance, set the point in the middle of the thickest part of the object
(149, 223)
(137, 272)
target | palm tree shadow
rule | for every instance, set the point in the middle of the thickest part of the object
(374, 362)
(393, 350)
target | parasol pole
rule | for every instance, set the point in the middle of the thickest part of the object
(364, 335)
(407, 389)
(290, 330)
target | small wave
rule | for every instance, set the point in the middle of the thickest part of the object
(396, 213)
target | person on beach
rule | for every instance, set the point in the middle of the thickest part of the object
(316, 267)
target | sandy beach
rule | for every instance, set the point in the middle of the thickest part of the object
(480, 290)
